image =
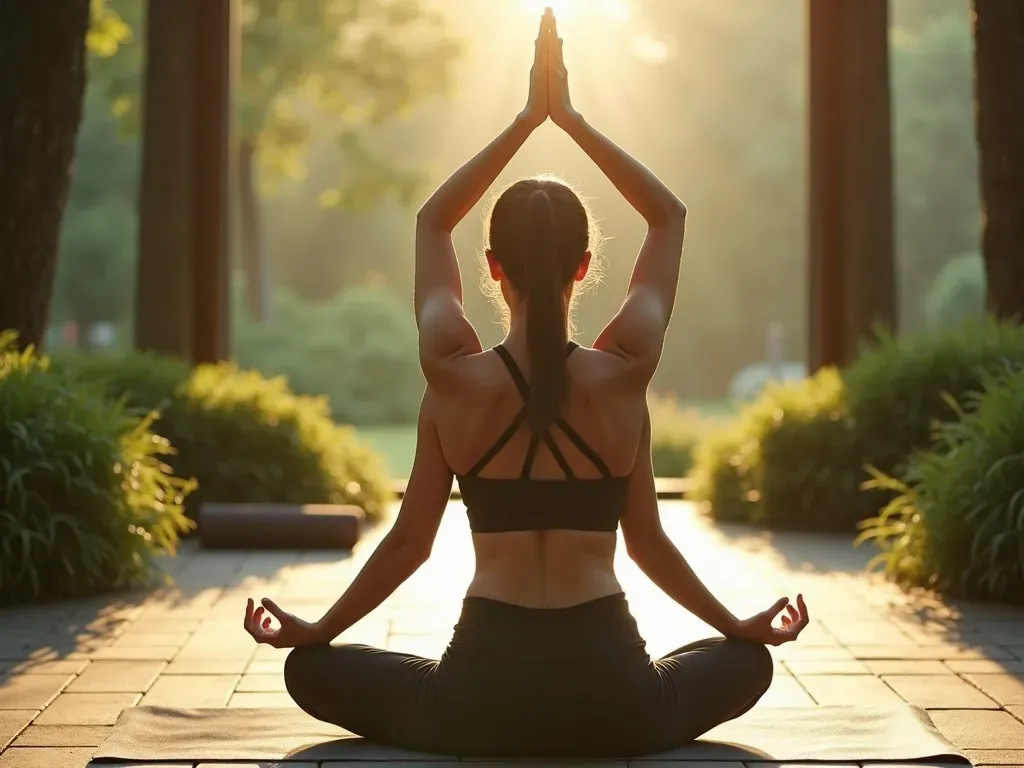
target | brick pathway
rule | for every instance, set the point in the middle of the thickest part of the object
(67, 670)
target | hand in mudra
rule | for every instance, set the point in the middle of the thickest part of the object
(761, 627)
(290, 632)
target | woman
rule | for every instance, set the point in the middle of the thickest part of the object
(552, 447)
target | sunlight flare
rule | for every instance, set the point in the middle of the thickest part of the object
(574, 11)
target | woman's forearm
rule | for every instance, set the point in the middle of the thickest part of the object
(456, 197)
(641, 188)
(390, 565)
(437, 266)
(663, 564)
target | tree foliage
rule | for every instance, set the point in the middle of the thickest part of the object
(346, 66)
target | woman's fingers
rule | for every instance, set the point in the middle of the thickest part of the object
(248, 613)
(802, 606)
(774, 611)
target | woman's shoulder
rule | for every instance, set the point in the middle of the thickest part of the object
(605, 371)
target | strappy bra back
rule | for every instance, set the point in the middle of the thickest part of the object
(497, 505)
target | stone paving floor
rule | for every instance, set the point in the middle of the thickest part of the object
(67, 670)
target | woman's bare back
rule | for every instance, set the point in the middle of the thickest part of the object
(541, 568)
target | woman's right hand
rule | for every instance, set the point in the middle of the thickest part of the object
(559, 103)
(761, 628)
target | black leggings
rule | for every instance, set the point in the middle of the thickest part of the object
(514, 681)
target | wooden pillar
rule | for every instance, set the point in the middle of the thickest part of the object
(163, 296)
(211, 274)
(183, 270)
(851, 264)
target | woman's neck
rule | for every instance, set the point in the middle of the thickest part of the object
(515, 338)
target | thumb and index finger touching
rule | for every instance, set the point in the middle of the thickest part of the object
(275, 610)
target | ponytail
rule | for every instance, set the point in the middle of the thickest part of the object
(546, 318)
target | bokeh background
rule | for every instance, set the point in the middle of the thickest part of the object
(710, 95)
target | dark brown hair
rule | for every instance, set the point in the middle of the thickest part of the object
(539, 232)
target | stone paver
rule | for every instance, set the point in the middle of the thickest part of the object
(1006, 689)
(31, 691)
(17, 757)
(82, 662)
(986, 667)
(827, 667)
(62, 736)
(1014, 758)
(86, 708)
(188, 692)
(980, 729)
(116, 677)
(13, 722)
(843, 690)
(786, 691)
(910, 667)
(273, 683)
(939, 692)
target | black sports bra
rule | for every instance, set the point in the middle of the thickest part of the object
(526, 504)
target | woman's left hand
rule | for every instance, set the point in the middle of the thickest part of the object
(536, 111)
(292, 631)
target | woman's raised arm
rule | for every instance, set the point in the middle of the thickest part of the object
(637, 332)
(445, 333)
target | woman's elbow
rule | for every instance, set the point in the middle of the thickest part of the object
(411, 549)
(429, 219)
(670, 216)
(642, 547)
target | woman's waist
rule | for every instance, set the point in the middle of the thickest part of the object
(596, 626)
(555, 579)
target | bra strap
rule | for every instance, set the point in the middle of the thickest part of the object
(500, 443)
(514, 371)
(531, 453)
(583, 448)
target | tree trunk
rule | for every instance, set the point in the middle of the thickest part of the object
(42, 79)
(163, 296)
(254, 261)
(852, 266)
(999, 72)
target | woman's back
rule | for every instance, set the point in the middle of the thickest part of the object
(544, 529)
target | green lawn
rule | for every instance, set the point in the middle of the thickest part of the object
(397, 443)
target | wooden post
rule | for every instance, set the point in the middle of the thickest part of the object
(851, 265)
(163, 296)
(214, 54)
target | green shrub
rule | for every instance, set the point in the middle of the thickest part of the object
(957, 521)
(359, 350)
(958, 293)
(785, 461)
(796, 457)
(899, 388)
(245, 438)
(86, 501)
(675, 434)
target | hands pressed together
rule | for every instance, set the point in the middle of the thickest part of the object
(549, 81)
(761, 628)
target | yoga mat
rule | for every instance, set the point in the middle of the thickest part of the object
(820, 734)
